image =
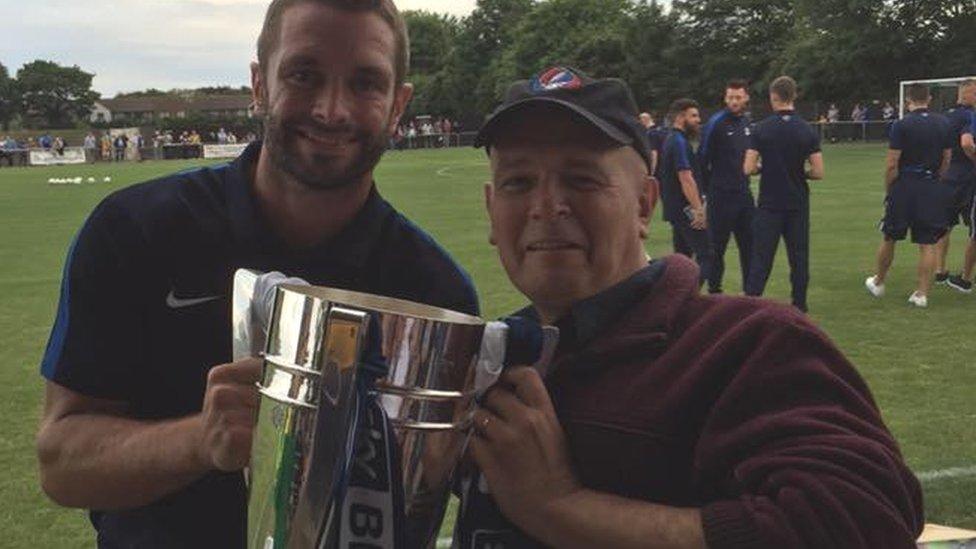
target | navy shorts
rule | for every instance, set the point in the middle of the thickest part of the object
(920, 204)
(960, 207)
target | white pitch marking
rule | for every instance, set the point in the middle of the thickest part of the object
(951, 472)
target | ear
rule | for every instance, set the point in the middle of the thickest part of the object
(489, 199)
(401, 98)
(258, 94)
(647, 201)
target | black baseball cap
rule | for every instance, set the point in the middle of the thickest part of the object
(605, 103)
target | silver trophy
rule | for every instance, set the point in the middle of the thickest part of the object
(364, 412)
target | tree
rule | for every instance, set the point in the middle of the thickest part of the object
(55, 96)
(724, 39)
(469, 85)
(432, 38)
(9, 100)
(585, 34)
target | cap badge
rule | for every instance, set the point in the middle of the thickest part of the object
(556, 78)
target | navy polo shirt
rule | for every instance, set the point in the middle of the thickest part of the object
(960, 120)
(146, 303)
(656, 137)
(784, 141)
(677, 156)
(922, 137)
(722, 152)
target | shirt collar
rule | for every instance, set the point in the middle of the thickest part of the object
(589, 317)
(350, 248)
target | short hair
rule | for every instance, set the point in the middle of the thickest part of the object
(784, 88)
(969, 82)
(737, 84)
(918, 93)
(386, 9)
(681, 105)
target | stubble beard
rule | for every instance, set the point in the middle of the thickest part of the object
(320, 171)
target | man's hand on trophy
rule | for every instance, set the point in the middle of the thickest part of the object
(229, 414)
(521, 449)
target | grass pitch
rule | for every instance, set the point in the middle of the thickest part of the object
(919, 363)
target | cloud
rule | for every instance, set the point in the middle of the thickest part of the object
(152, 43)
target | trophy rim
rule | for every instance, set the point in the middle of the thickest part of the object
(383, 304)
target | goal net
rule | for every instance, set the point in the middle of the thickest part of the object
(944, 92)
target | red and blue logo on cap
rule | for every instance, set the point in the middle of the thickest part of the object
(556, 78)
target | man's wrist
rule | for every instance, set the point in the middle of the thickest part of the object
(550, 524)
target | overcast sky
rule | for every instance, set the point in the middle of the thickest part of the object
(137, 44)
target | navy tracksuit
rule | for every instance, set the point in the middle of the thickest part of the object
(677, 156)
(962, 174)
(917, 200)
(731, 206)
(784, 142)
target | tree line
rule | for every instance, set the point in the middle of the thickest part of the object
(838, 50)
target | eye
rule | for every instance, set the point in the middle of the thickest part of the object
(301, 77)
(514, 184)
(368, 84)
(582, 182)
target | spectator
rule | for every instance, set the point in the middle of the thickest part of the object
(90, 145)
(45, 141)
(888, 112)
(59, 145)
(120, 143)
(8, 150)
(105, 147)
(136, 144)
(833, 113)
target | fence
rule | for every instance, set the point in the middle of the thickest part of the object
(835, 132)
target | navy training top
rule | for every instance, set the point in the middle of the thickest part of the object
(656, 137)
(922, 137)
(677, 156)
(722, 151)
(960, 119)
(145, 312)
(784, 142)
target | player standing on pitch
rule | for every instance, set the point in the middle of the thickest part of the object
(730, 203)
(918, 156)
(964, 282)
(681, 191)
(785, 143)
(962, 179)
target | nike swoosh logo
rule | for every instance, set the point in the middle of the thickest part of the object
(174, 302)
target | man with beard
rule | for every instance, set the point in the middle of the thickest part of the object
(681, 188)
(139, 425)
(730, 204)
(665, 418)
(786, 144)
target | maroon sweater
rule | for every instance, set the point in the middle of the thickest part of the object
(741, 407)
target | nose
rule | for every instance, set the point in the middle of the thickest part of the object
(331, 104)
(548, 200)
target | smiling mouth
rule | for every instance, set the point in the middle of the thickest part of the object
(552, 246)
(331, 141)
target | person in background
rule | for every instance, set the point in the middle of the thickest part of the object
(919, 154)
(786, 145)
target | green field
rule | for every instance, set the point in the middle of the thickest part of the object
(919, 363)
